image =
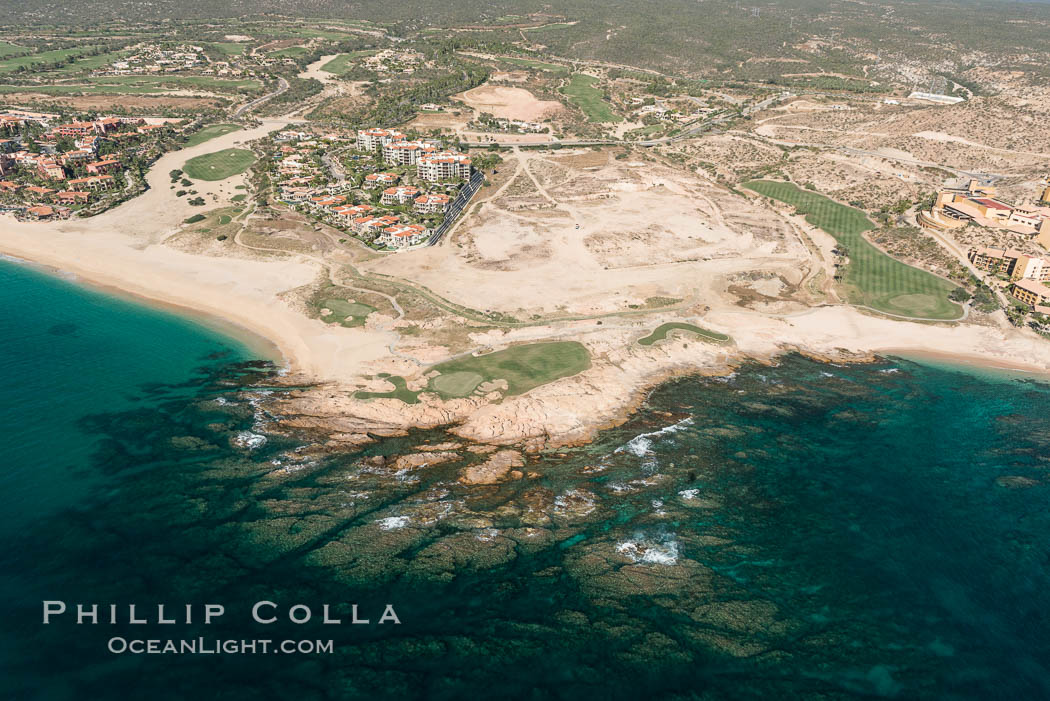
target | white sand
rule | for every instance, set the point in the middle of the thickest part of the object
(122, 248)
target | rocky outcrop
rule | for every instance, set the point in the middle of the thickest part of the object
(498, 468)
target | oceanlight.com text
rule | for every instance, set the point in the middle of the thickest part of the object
(212, 646)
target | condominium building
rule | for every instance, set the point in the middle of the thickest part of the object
(432, 204)
(402, 194)
(1030, 292)
(1018, 265)
(375, 224)
(72, 197)
(406, 153)
(51, 170)
(375, 139)
(374, 180)
(403, 236)
(443, 166)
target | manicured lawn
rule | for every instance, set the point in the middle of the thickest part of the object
(583, 94)
(13, 64)
(523, 367)
(347, 313)
(219, 165)
(456, 384)
(230, 48)
(136, 85)
(210, 132)
(238, 198)
(343, 63)
(538, 65)
(661, 333)
(871, 278)
(400, 391)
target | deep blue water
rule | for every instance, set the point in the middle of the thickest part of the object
(799, 531)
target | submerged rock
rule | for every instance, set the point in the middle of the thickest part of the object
(494, 470)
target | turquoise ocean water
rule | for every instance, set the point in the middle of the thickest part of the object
(800, 531)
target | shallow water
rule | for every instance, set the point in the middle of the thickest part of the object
(803, 531)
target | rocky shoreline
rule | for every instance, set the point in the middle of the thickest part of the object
(531, 424)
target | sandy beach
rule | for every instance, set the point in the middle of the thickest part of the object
(124, 250)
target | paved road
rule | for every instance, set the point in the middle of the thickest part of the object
(282, 85)
(333, 165)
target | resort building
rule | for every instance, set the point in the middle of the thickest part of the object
(375, 139)
(432, 204)
(75, 130)
(374, 180)
(977, 205)
(40, 212)
(373, 225)
(296, 194)
(406, 153)
(350, 212)
(77, 156)
(444, 166)
(403, 194)
(327, 201)
(94, 182)
(1031, 292)
(1018, 265)
(51, 170)
(103, 166)
(72, 197)
(403, 236)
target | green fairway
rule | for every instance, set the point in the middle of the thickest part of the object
(347, 313)
(210, 132)
(9, 49)
(522, 367)
(537, 65)
(343, 63)
(662, 330)
(219, 165)
(13, 64)
(230, 48)
(871, 278)
(138, 85)
(583, 94)
(89, 63)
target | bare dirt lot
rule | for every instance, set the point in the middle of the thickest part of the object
(509, 103)
(630, 232)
